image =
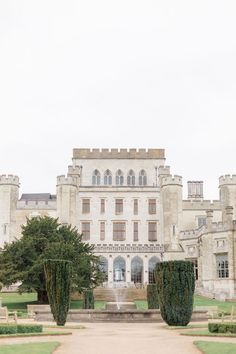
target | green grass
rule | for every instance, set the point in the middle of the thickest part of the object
(141, 304)
(65, 327)
(40, 334)
(216, 347)
(36, 348)
(206, 333)
(17, 302)
(192, 326)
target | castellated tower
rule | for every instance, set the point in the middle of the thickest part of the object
(67, 188)
(171, 197)
(9, 193)
(227, 186)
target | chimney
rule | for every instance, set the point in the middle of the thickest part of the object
(227, 216)
(195, 190)
(209, 217)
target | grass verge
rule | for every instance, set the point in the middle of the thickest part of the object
(206, 333)
(42, 334)
(29, 348)
(215, 347)
(187, 327)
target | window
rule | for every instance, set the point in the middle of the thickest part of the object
(151, 268)
(131, 178)
(102, 230)
(137, 270)
(85, 206)
(135, 231)
(119, 178)
(152, 206)
(119, 269)
(142, 178)
(201, 220)
(107, 178)
(102, 206)
(119, 231)
(85, 228)
(135, 206)
(222, 266)
(96, 180)
(119, 206)
(195, 265)
(152, 231)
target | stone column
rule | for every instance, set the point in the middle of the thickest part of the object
(209, 217)
(128, 270)
(145, 270)
(110, 270)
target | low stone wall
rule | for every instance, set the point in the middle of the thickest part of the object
(114, 316)
(106, 294)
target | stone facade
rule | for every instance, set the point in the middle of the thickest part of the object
(129, 206)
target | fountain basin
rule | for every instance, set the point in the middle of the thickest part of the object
(123, 306)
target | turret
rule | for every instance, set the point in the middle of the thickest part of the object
(9, 194)
(171, 195)
(66, 199)
(227, 186)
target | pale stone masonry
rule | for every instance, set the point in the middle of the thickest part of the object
(130, 207)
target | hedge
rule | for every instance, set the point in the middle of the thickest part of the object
(175, 284)
(152, 296)
(20, 328)
(222, 327)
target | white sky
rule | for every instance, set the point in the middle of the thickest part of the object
(125, 73)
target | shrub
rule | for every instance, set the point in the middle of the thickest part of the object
(152, 296)
(8, 329)
(88, 299)
(58, 280)
(28, 328)
(175, 284)
(222, 327)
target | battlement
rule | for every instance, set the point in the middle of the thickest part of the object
(9, 179)
(118, 153)
(171, 180)
(197, 204)
(227, 179)
(163, 170)
(70, 180)
(74, 170)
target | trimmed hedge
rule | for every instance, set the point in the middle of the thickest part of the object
(152, 296)
(175, 284)
(88, 299)
(21, 328)
(222, 327)
(58, 282)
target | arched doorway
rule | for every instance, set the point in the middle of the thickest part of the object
(151, 267)
(137, 270)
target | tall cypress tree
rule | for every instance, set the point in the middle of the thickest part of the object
(175, 284)
(58, 282)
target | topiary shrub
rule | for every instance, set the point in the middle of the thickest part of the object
(152, 296)
(175, 285)
(88, 299)
(58, 281)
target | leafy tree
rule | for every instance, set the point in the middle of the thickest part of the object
(44, 238)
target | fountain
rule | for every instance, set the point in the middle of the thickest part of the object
(120, 292)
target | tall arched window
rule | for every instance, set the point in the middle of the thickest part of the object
(137, 270)
(119, 269)
(151, 267)
(107, 178)
(142, 178)
(119, 178)
(104, 267)
(96, 180)
(131, 178)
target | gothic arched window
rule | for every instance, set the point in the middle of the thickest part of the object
(131, 178)
(142, 178)
(96, 180)
(119, 269)
(119, 178)
(151, 267)
(107, 178)
(137, 270)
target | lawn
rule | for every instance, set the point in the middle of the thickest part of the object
(36, 348)
(15, 301)
(216, 347)
(206, 333)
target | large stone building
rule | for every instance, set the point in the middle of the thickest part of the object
(131, 208)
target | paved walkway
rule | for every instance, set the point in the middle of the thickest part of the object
(122, 338)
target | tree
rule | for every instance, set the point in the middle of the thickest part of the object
(175, 284)
(58, 282)
(44, 238)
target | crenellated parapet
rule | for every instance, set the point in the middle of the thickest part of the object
(227, 179)
(163, 171)
(69, 180)
(74, 170)
(118, 154)
(10, 180)
(171, 181)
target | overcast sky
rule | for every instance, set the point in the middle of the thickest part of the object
(127, 73)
